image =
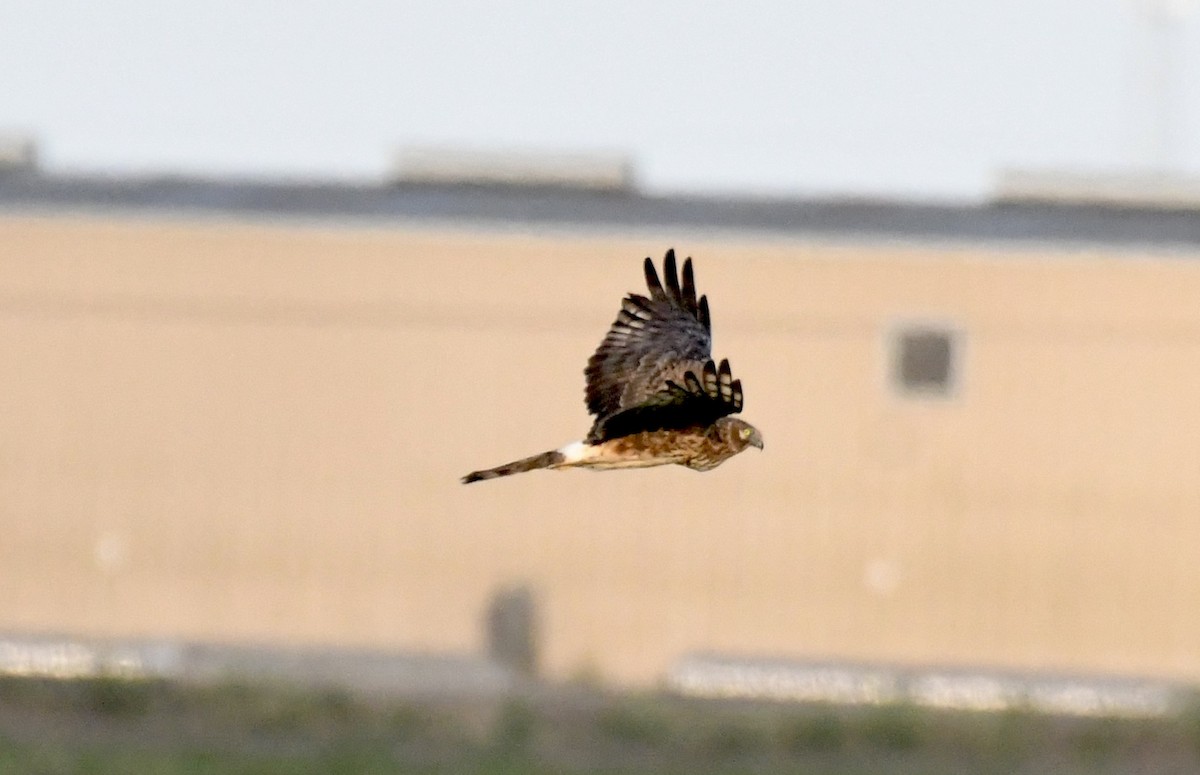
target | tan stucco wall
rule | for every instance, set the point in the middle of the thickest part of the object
(230, 431)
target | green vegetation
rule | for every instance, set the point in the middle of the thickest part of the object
(634, 723)
(100, 726)
(813, 732)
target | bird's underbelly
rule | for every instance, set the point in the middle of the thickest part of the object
(641, 450)
(629, 462)
(705, 462)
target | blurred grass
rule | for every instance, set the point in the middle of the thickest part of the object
(101, 726)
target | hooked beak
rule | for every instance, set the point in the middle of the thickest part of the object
(756, 441)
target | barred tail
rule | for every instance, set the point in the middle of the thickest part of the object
(544, 460)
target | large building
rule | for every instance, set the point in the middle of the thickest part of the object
(247, 424)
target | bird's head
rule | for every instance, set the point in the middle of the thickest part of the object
(744, 434)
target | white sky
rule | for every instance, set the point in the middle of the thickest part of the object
(923, 98)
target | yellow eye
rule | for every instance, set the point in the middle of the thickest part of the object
(745, 433)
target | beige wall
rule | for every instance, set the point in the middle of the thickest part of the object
(235, 431)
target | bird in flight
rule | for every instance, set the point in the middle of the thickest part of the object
(656, 394)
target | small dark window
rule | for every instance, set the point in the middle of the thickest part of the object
(924, 361)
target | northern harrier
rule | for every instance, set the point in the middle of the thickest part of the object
(654, 390)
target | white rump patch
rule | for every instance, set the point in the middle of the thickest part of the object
(576, 451)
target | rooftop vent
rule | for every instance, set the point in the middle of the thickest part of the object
(18, 153)
(449, 166)
(1134, 190)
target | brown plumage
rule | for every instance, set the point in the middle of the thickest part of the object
(656, 394)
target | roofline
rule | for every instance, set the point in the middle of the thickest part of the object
(624, 209)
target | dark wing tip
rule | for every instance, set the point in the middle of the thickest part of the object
(703, 316)
(670, 289)
(671, 277)
(652, 281)
(689, 288)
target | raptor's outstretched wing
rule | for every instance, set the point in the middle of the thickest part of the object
(652, 340)
(647, 372)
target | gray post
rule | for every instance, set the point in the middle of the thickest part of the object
(512, 630)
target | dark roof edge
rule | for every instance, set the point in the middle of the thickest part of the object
(567, 207)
